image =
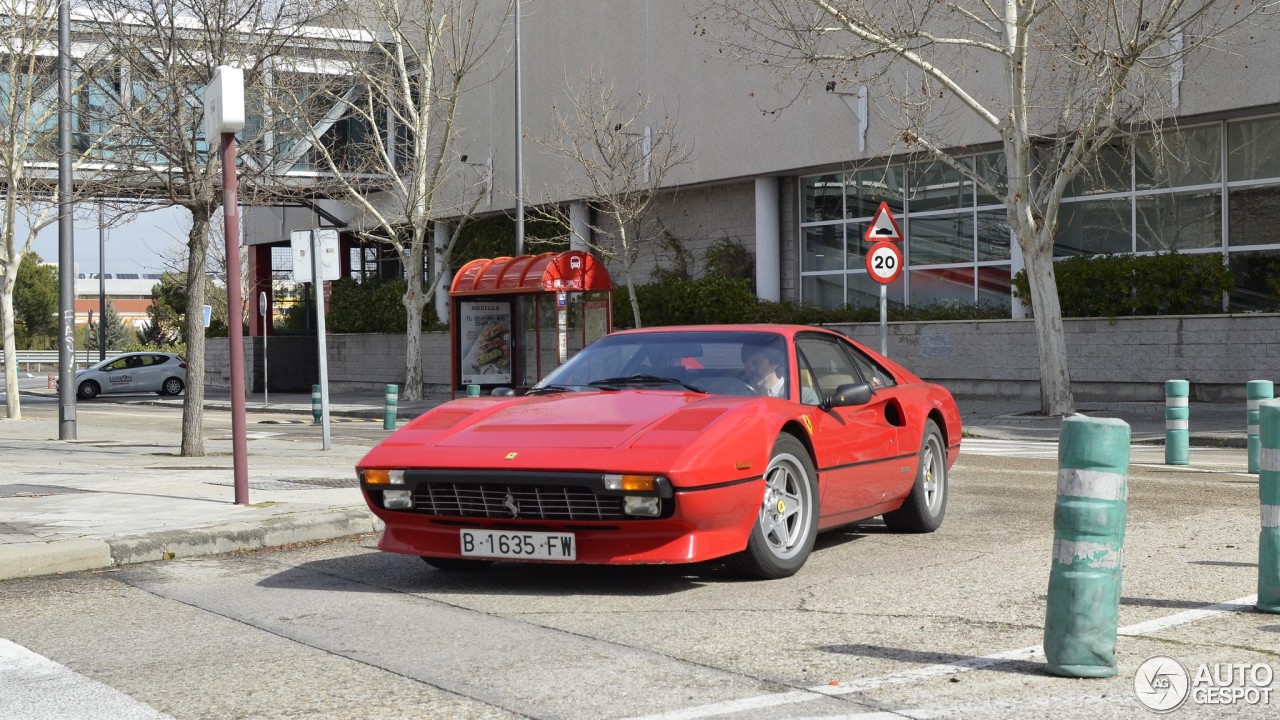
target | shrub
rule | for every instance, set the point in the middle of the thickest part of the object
(372, 306)
(1119, 285)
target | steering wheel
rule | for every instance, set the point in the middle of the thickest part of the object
(725, 385)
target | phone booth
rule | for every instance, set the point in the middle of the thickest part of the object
(515, 319)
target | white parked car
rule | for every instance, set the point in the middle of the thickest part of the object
(163, 373)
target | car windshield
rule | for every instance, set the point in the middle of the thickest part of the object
(706, 362)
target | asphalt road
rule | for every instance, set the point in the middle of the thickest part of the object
(876, 625)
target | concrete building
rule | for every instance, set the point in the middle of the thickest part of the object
(129, 294)
(795, 172)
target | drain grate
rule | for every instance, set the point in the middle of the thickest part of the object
(22, 490)
(294, 483)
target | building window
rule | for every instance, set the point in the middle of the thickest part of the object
(953, 246)
(1207, 188)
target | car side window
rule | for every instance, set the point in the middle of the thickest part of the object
(120, 364)
(871, 370)
(830, 365)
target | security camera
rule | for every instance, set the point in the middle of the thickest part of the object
(463, 158)
(831, 86)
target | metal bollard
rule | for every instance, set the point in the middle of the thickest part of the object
(1269, 494)
(389, 412)
(473, 391)
(1083, 610)
(1177, 428)
(1256, 391)
(315, 404)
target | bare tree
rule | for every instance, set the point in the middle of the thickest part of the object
(28, 152)
(1055, 82)
(426, 58)
(614, 162)
(165, 53)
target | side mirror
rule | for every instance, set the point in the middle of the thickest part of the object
(850, 394)
(503, 392)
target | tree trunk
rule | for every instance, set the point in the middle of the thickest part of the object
(1055, 378)
(193, 403)
(13, 406)
(413, 303)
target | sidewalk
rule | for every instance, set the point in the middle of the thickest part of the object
(110, 498)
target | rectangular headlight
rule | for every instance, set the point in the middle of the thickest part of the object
(397, 500)
(640, 505)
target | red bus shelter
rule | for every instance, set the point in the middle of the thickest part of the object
(514, 319)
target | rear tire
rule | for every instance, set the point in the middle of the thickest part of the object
(171, 386)
(88, 390)
(456, 564)
(783, 534)
(925, 507)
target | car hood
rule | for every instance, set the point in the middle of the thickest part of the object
(565, 421)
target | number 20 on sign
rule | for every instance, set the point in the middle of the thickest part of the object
(884, 262)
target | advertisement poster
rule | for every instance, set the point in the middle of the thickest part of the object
(485, 331)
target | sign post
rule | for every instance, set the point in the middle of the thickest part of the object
(315, 259)
(884, 263)
(224, 116)
(262, 312)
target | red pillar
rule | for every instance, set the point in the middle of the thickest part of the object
(259, 282)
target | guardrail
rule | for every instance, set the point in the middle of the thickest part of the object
(42, 360)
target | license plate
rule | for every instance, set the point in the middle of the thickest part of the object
(519, 545)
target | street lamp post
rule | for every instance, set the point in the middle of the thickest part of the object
(102, 287)
(66, 243)
(224, 116)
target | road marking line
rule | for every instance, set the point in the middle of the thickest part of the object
(1243, 604)
(37, 687)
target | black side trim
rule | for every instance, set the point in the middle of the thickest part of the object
(717, 486)
(867, 462)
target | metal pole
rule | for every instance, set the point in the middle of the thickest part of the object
(66, 229)
(322, 344)
(519, 146)
(88, 328)
(884, 320)
(102, 287)
(235, 318)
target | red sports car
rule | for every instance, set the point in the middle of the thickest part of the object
(672, 445)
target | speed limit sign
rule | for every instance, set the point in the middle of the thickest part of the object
(884, 262)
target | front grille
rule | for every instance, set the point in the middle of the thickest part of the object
(530, 502)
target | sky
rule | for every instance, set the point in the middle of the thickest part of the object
(138, 247)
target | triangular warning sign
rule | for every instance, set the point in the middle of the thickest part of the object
(883, 227)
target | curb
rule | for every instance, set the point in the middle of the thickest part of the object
(34, 559)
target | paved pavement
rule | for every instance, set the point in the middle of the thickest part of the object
(110, 498)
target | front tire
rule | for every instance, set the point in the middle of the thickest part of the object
(88, 390)
(783, 534)
(456, 564)
(925, 507)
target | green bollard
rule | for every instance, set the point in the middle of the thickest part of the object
(1256, 391)
(473, 391)
(1269, 494)
(1083, 610)
(315, 404)
(389, 411)
(1177, 429)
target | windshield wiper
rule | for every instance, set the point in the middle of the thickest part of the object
(548, 389)
(644, 379)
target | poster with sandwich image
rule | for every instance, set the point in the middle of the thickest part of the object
(485, 330)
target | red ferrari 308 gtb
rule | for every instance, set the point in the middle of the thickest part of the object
(672, 445)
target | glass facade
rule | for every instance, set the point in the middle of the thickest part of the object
(958, 249)
(1206, 188)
